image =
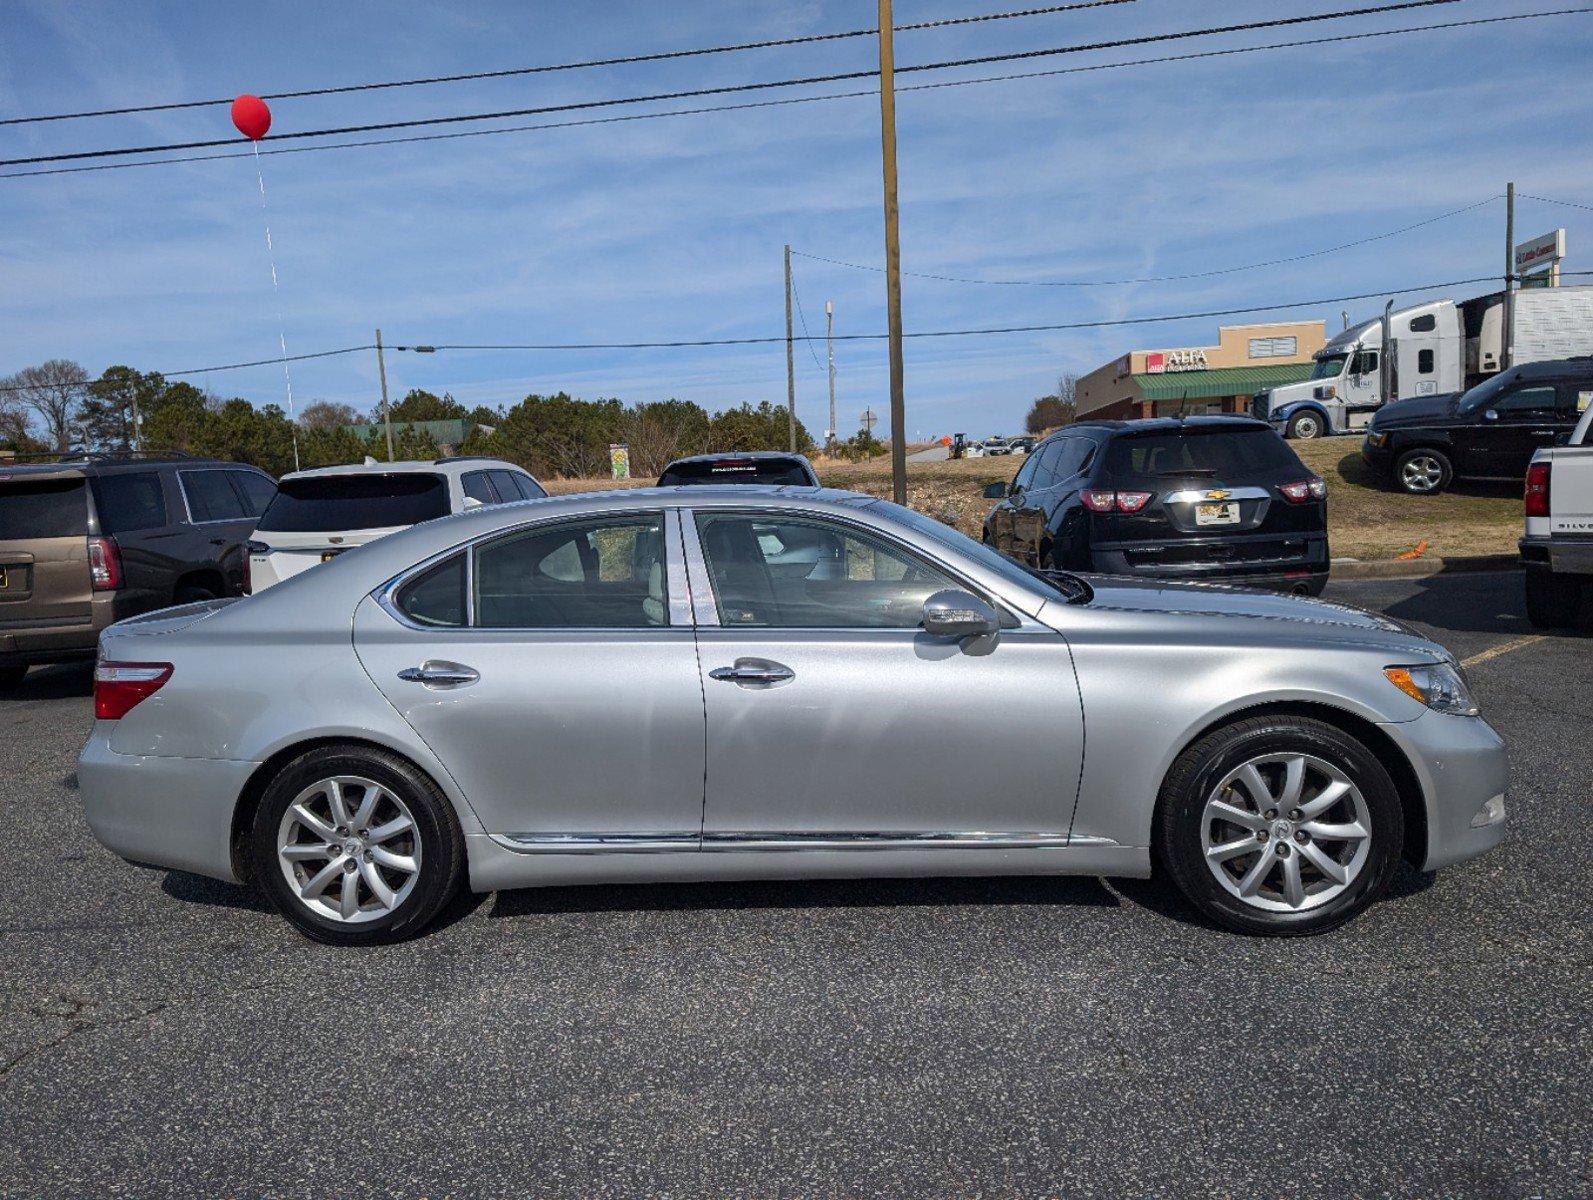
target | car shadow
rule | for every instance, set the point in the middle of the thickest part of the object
(1159, 896)
(212, 893)
(57, 681)
(805, 894)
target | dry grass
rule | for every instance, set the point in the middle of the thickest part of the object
(1364, 520)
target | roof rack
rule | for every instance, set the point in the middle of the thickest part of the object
(437, 462)
(100, 455)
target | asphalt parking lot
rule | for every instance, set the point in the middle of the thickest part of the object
(165, 1035)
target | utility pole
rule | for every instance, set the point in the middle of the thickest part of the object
(1510, 277)
(790, 362)
(893, 249)
(387, 409)
(829, 351)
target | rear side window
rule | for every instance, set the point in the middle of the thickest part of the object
(1228, 455)
(43, 508)
(507, 483)
(776, 472)
(601, 574)
(476, 487)
(210, 496)
(334, 503)
(127, 503)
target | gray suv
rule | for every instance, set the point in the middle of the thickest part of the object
(91, 539)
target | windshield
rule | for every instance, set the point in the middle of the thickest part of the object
(42, 508)
(336, 503)
(1486, 392)
(1329, 366)
(774, 472)
(1067, 588)
(1227, 454)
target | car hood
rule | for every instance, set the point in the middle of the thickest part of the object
(1317, 619)
(1418, 410)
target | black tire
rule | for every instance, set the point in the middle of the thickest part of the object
(1203, 766)
(1423, 472)
(1552, 600)
(442, 857)
(1304, 427)
(12, 675)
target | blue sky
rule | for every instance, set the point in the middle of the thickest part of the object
(672, 229)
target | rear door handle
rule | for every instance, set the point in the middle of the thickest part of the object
(753, 671)
(435, 673)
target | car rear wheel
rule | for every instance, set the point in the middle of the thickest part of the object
(12, 675)
(1305, 426)
(1552, 600)
(355, 846)
(1279, 825)
(1423, 472)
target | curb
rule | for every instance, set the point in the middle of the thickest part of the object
(1421, 568)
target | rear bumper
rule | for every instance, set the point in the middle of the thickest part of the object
(25, 641)
(1462, 765)
(1561, 555)
(163, 812)
(1308, 569)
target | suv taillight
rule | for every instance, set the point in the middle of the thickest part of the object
(1105, 502)
(250, 549)
(1304, 490)
(105, 564)
(1537, 496)
(120, 686)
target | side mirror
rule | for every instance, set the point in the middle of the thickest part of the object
(472, 502)
(958, 614)
(996, 491)
(1491, 415)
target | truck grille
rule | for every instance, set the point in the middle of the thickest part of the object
(1258, 407)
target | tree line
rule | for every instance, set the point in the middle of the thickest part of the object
(57, 407)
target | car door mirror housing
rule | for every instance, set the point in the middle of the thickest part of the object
(997, 491)
(957, 614)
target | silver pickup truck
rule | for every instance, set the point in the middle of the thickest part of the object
(1557, 550)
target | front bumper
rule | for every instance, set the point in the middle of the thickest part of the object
(1462, 766)
(162, 812)
(1379, 458)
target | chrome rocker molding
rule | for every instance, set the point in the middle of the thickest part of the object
(652, 843)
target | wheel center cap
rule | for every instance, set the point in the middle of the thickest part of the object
(353, 846)
(1281, 830)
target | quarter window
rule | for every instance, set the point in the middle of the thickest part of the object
(788, 573)
(258, 491)
(210, 496)
(129, 502)
(593, 575)
(438, 596)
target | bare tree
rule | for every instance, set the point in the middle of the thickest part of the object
(13, 417)
(328, 415)
(1052, 412)
(52, 390)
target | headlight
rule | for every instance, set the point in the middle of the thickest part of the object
(1376, 439)
(1439, 686)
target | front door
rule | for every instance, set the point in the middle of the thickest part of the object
(833, 719)
(1525, 420)
(554, 675)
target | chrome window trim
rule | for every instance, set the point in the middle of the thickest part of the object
(385, 593)
(789, 840)
(705, 585)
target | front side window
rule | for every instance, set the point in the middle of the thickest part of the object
(1529, 399)
(129, 502)
(1365, 363)
(797, 573)
(211, 497)
(606, 574)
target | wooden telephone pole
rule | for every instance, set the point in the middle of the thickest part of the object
(790, 363)
(893, 250)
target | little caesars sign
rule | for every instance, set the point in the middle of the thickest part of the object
(1158, 362)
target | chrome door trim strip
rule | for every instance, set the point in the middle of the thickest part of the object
(783, 840)
(1204, 495)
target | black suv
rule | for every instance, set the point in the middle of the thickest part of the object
(88, 540)
(1425, 443)
(1201, 498)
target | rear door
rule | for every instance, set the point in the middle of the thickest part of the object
(44, 571)
(152, 536)
(1527, 418)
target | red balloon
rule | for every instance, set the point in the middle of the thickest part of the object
(251, 116)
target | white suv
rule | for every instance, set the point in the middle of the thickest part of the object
(318, 514)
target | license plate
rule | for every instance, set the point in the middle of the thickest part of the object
(1217, 514)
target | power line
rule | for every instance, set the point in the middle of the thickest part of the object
(807, 337)
(1079, 283)
(1524, 196)
(622, 60)
(859, 94)
(835, 77)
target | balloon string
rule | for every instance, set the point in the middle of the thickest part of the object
(276, 292)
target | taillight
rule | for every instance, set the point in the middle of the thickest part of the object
(1537, 496)
(1105, 502)
(250, 549)
(105, 564)
(1303, 490)
(1132, 502)
(121, 686)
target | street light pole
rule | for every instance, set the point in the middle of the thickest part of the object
(1505, 355)
(829, 350)
(893, 249)
(387, 409)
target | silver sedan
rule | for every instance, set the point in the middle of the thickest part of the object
(737, 683)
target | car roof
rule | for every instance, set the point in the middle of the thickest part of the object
(109, 466)
(1555, 368)
(751, 455)
(441, 466)
(1106, 428)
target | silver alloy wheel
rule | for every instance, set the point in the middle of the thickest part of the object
(1286, 832)
(1421, 473)
(349, 849)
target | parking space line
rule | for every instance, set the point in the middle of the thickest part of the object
(1513, 644)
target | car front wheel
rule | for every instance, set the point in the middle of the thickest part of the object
(1279, 825)
(1423, 472)
(355, 846)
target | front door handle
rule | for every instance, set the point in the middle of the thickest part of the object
(435, 672)
(753, 671)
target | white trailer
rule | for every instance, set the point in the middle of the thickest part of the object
(1437, 347)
